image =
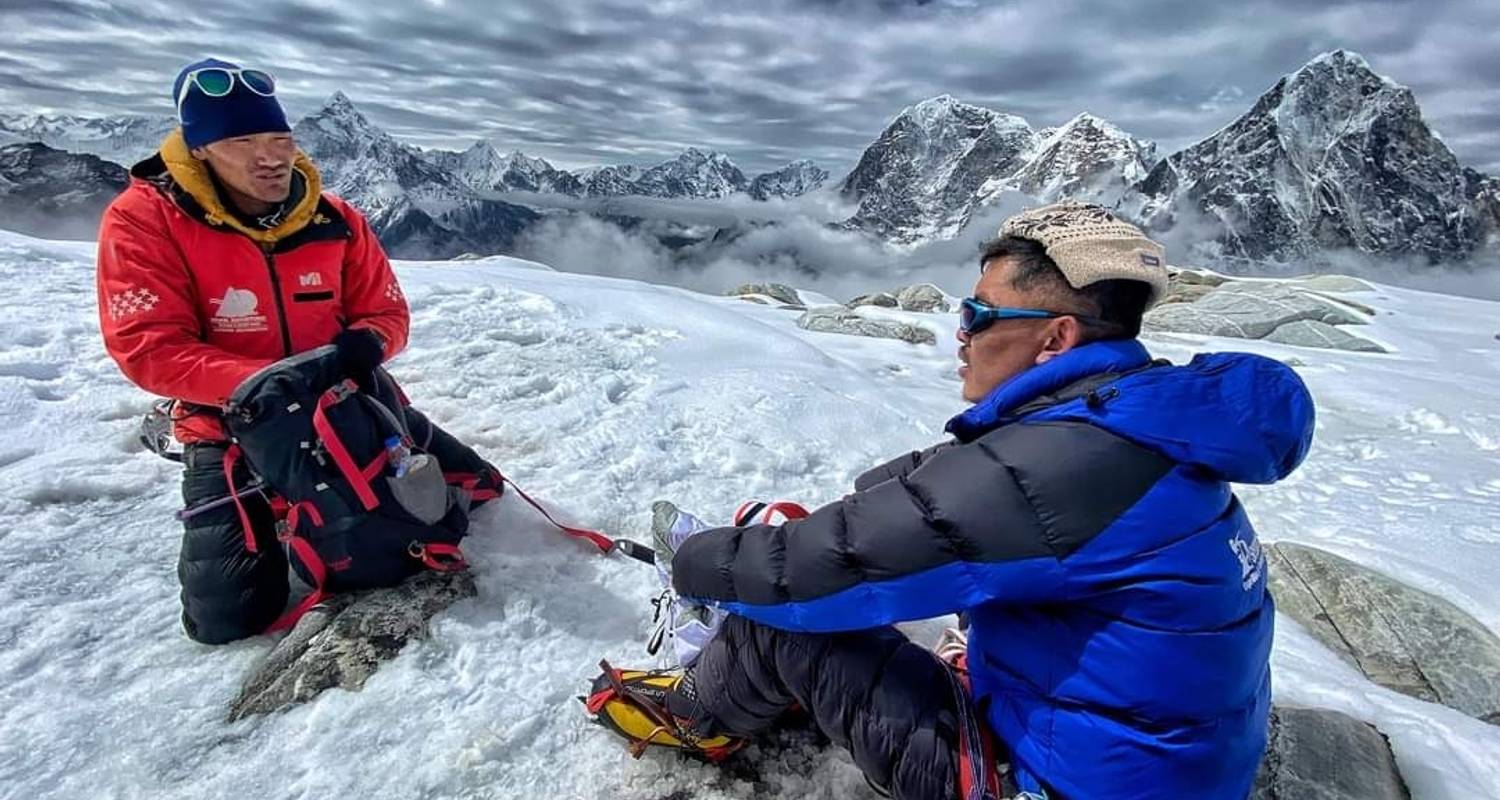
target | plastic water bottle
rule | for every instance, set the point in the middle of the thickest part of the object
(398, 455)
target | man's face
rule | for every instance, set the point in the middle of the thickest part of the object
(1009, 347)
(258, 165)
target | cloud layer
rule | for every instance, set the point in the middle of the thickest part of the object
(607, 81)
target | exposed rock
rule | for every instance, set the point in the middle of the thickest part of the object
(1339, 299)
(1311, 333)
(1248, 310)
(837, 319)
(1399, 637)
(881, 299)
(1337, 284)
(923, 297)
(1317, 754)
(1195, 277)
(779, 292)
(1184, 292)
(342, 642)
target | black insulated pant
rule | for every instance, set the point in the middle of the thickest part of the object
(875, 693)
(228, 592)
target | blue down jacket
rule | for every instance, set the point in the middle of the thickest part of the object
(1082, 516)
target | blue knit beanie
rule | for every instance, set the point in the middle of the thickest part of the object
(206, 120)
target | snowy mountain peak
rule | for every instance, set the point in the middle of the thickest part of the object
(123, 139)
(339, 100)
(1337, 62)
(1087, 158)
(793, 180)
(1086, 121)
(919, 179)
(1334, 156)
(340, 114)
(694, 173)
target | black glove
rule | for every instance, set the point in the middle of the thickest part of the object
(360, 351)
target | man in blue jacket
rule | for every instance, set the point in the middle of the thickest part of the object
(1082, 518)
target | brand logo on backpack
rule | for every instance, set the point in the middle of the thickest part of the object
(236, 313)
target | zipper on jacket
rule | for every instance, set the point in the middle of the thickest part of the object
(286, 333)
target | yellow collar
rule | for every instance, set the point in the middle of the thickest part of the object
(192, 175)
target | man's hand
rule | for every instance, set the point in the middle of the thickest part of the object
(360, 351)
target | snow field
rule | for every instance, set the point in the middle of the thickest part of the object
(597, 396)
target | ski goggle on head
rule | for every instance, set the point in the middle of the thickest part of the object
(219, 81)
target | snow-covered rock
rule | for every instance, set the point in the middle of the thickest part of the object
(1317, 754)
(1312, 333)
(123, 139)
(793, 180)
(1333, 156)
(878, 299)
(1400, 637)
(341, 642)
(1249, 310)
(779, 292)
(923, 297)
(56, 194)
(1334, 284)
(838, 319)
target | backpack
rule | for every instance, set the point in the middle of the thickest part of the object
(368, 490)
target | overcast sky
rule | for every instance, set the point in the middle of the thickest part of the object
(628, 81)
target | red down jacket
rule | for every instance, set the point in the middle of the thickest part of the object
(192, 301)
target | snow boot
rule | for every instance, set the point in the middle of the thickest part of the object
(654, 707)
(686, 625)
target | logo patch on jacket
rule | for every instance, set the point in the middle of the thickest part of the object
(134, 300)
(310, 279)
(1252, 560)
(236, 312)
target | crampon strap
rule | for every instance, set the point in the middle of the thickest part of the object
(978, 777)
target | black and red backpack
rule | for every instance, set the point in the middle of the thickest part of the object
(367, 490)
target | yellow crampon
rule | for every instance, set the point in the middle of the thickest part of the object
(633, 704)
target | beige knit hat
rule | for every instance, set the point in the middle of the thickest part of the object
(1090, 244)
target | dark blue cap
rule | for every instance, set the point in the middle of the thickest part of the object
(241, 112)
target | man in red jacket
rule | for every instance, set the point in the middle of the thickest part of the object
(221, 257)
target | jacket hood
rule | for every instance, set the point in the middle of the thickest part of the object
(1243, 417)
(192, 176)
